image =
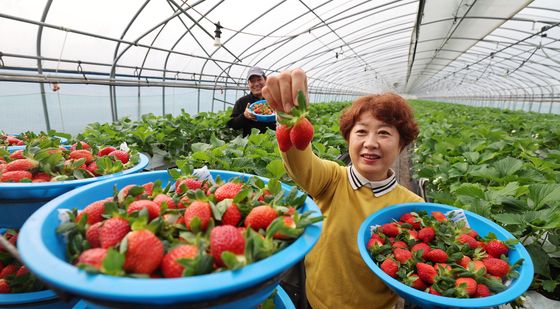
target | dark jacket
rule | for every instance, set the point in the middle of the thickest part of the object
(238, 120)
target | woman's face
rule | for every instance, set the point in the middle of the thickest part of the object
(373, 146)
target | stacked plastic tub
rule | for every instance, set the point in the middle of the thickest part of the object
(43, 251)
(18, 201)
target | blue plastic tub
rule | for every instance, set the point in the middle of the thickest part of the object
(46, 299)
(262, 118)
(43, 251)
(281, 301)
(19, 200)
(44, 191)
(480, 224)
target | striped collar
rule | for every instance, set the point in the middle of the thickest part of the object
(379, 188)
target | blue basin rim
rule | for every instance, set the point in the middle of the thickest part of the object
(520, 285)
(43, 252)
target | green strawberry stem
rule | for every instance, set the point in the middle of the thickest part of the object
(299, 111)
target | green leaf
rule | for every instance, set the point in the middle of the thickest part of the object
(469, 189)
(540, 259)
(508, 166)
(509, 218)
(113, 263)
(541, 194)
(276, 168)
(550, 285)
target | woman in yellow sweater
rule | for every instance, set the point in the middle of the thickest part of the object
(377, 128)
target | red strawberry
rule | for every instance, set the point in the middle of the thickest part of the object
(390, 229)
(426, 272)
(402, 255)
(231, 216)
(12, 140)
(433, 291)
(164, 198)
(283, 137)
(411, 219)
(148, 188)
(477, 266)
(482, 291)
(81, 154)
(41, 177)
(260, 217)
(496, 267)
(144, 252)
(120, 155)
(4, 287)
(10, 269)
(227, 190)
(93, 257)
(190, 184)
(84, 146)
(105, 151)
(123, 193)
(18, 154)
(422, 246)
(427, 234)
(22, 271)
(93, 211)
(301, 133)
(496, 248)
(21, 165)
(92, 167)
(467, 239)
(466, 286)
(153, 208)
(169, 265)
(15, 176)
(375, 239)
(438, 215)
(226, 238)
(113, 231)
(400, 244)
(92, 235)
(464, 261)
(415, 282)
(437, 256)
(289, 224)
(390, 267)
(202, 211)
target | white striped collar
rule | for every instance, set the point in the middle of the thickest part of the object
(379, 188)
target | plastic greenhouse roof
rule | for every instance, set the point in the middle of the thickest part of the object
(434, 48)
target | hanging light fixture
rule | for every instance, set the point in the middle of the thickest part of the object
(217, 35)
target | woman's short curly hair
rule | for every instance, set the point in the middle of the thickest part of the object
(388, 107)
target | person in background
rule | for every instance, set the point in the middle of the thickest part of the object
(376, 128)
(241, 117)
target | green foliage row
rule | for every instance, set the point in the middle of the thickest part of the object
(503, 165)
(204, 139)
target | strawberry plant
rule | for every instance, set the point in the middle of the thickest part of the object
(501, 164)
(193, 227)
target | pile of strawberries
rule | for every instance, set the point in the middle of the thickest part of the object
(49, 164)
(261, 108)
(14, 277)
(295, 129)
(197, 228)
(436, 255)
(24, 138)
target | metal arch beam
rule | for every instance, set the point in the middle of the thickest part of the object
(40, 64)
(504, 48)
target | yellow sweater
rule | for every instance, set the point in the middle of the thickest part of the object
(337, 277)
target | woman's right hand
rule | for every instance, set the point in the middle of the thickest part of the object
(281, 91)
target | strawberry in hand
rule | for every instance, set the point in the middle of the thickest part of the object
(295, 129)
